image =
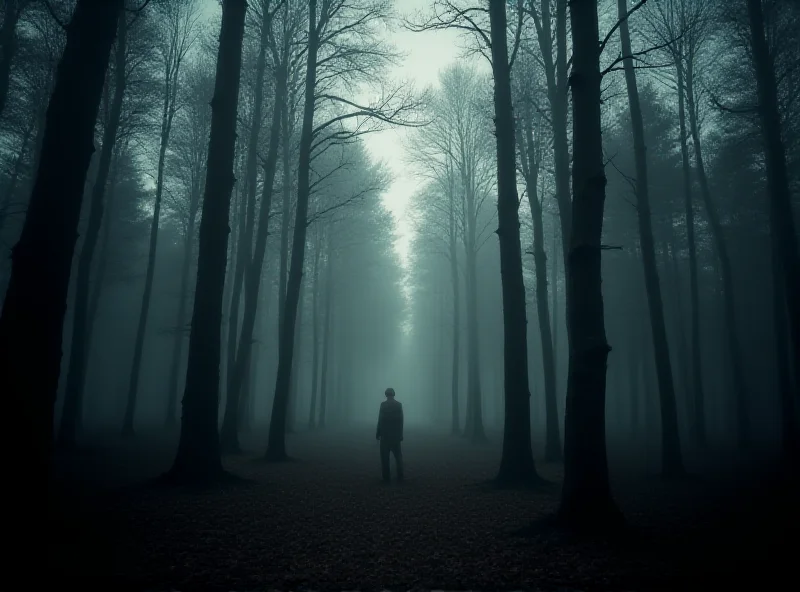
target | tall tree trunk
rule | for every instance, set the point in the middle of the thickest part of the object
(455, 426)
(586, 494)
(239, 220)
(229, 439)
(554, 283)
(555, 68)
(291, 416)
(733, 341)
(312, 413)
(76, 373)
(232, 255)
(552, 448)
(473, 427)
(671, 457)
(180, 322)
(247, 229)
(102, 261)
(243, 249)
(699, 399)
(671, 265)
(326, 337)
(167, 115)
(247, 399)
(286, 219)
(198, 457)
(782, 221)
(516, 465)
(276, 447)
(32, 319)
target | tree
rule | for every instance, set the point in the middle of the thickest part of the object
(71, 415)
(530, 149)
(190, 148)
(345, 49)
(198, 457)
(586, 500)
(437, 226)
(31, 322)
(487, 24)
(516, 465)
(451, 151)
(698, 24)
(549, 28)
(312, 413)
(671, 459)
(254, 264)
(669, 23)
(786, 259)
(181, 19)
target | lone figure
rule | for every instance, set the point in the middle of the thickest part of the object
(390, 433)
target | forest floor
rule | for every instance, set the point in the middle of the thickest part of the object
(325, 522)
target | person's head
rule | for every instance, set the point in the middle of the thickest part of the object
(389, 393)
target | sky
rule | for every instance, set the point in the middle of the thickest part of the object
(425, 55)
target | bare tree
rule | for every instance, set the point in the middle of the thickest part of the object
(586, 499)
(671, 458)
(31, 322)
(198, 457)
(551, 37)
(71, 415)
(280, 46)
(343, 49)
(517, 464)
(190, 148)
(452, 152)
(531, 146)
(181, 29)
(438, 224)
(786, 260)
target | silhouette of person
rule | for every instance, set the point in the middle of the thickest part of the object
(390, 433)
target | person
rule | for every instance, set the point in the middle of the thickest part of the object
(390, 434)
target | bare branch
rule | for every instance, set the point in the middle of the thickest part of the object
(633, 9)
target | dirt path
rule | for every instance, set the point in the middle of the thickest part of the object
(325, 522)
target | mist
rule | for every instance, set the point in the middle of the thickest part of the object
(400, 294)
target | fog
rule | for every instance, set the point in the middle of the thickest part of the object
(561, 235)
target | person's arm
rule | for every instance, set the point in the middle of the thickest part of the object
(378, 430)
(401, 422)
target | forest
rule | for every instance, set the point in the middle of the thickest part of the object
(561, 234)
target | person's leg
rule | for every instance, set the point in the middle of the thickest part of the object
(398, 460)
(385, 449)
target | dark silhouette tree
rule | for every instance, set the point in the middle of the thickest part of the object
(31, 323)
(586, 500)
(198, 457)
(786, 257)
(180, 19)
(73, 396)
(671, 457)
(516, 465)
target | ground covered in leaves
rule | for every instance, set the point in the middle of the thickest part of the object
(325, 522)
